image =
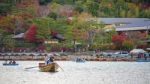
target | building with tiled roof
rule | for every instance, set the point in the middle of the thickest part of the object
(128, 25)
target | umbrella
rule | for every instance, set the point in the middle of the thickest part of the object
(137, 51)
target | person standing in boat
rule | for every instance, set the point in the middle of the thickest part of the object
(49, 59)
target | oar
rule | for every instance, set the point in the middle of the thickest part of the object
(31, 67)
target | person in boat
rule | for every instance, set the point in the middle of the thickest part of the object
(13, 62)
(79, 59)
(10, 61)
(49, 59)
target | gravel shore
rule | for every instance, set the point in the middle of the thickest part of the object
(67, 58)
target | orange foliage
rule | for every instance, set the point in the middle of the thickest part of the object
(7, 24)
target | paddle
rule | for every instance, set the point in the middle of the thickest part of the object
(31, 67)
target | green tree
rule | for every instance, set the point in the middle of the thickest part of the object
(79, 7)
(92, 7)
(8, 42)
(44, 2)
(90, 26)
(43, 27)
(52, 15)
(6, 6)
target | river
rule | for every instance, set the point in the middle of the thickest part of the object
(78, 73)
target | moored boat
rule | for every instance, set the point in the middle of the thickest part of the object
(140, 60)
(11, 63)
(7, 64)
(49, 67)
(79, 60)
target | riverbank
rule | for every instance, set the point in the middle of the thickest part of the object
(66, 58)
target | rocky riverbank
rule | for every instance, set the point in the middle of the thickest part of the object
(67, 58)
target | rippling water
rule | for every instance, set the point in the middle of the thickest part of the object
(78, 73)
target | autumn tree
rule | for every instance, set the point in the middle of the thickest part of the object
(7, 24)
(118, 40)
(43, 27)
(127, 44)
(30, 35)
(88, 25)
(137, 37)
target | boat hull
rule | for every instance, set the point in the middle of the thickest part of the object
(48, 68)
(4, 64)
(142, 60)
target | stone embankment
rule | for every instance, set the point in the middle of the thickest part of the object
(66, 58)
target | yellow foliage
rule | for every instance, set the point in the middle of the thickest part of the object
(7, 22)
(128, 43)
(83, 17)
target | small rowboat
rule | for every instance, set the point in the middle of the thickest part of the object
(140, 60)
(7, 64)
(79, 60)
(48, 68)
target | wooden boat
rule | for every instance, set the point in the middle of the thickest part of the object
(48, 68)
(7, 64)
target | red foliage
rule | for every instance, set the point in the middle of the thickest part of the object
(31, 34)
(118, 39)
(41, 48)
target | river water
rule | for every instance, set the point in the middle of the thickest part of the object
(78, 73)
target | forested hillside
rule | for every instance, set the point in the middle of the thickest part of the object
(99, 8)
(66, 21)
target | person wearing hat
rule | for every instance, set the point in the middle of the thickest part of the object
(49, 59)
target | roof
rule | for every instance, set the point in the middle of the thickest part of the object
(136, 24)
(128, 23)
(145, 25)
(132, 28)
(21, 35)
(122, 20)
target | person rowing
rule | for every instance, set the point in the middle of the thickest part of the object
(49, 59)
